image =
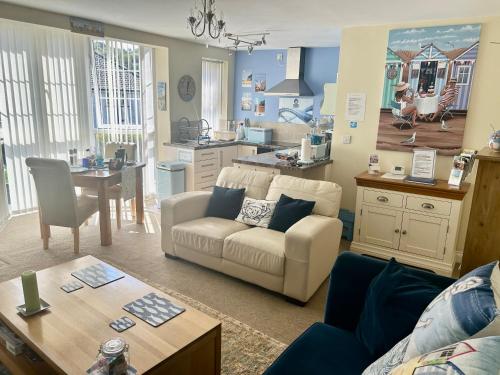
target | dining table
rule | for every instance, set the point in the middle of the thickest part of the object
(101, 180)
(427, 105)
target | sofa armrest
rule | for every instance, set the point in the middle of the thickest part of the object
(180, 208)
(311, 246)
(349, 282)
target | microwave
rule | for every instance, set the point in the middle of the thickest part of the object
(259, 135)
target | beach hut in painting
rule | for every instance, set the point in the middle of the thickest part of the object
(463, 62)
(393, 74)
(429, 69)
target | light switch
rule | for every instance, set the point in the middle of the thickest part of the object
(346, 139)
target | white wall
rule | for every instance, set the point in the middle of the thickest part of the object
(362, 59)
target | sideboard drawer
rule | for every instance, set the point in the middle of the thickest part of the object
(425, 204)
(383, 197)
(203, 177)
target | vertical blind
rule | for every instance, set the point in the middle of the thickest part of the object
(44, 108)
(211, 102)
(116, 86)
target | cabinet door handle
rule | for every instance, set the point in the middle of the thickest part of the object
(220, 158)
(207, 165)
(403, 232)
(381, 198)
(428, 206)
(396, 231)
(207, 176)
(207, 153)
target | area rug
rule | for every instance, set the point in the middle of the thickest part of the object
(245, 350)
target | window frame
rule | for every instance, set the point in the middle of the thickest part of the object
(467, 74)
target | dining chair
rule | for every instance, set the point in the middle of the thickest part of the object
(57, 200)
(111, 147)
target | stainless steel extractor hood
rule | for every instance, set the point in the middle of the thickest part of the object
(294, 84)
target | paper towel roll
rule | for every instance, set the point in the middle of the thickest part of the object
(305, 149)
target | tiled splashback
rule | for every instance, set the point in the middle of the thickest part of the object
(281, 131)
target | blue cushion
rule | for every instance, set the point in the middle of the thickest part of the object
(395, 300)
(322, 349)
(225, 202)
(288, 211)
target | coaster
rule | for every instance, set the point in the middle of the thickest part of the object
(153, 309)
(120, 325)
(72, 286)
(22, 309)
(98, 275)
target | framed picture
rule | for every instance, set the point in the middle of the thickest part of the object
(162, 96)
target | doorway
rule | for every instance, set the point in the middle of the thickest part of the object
(427, 80)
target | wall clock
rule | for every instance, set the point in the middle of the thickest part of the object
(186, 88)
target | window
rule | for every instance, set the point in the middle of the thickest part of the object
(116, 84)
(212, 101)
(463, 74)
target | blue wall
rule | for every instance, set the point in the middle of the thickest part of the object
(321, 65)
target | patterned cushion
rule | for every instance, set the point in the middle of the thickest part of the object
(474, 356)
(469, 308)
(256, 212)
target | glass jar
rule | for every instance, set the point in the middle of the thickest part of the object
(113, 357)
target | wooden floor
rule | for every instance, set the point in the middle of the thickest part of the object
(429, 134)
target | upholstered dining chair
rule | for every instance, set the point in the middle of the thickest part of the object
(57, 200)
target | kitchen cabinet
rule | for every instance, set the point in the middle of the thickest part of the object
(246, 150)
(418, 225)
(202, 165)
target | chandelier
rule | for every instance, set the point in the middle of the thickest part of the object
(201, 21)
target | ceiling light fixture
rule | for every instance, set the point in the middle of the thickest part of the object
(250, 40)
(206, 20)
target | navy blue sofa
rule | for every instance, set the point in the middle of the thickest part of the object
(332, 347)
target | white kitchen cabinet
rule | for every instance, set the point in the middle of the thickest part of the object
(204, 165)
(246, 150)
(416, 224)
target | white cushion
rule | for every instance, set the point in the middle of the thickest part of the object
(205, 235)
(257, 248)
(256, 212)
(256, 183)
(326, 194)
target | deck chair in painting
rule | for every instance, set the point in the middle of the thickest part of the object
(398, 118)
(446, 112)
(57, 200)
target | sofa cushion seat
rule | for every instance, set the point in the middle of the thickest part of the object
(258, 248)
(205, 235)
(322, 349)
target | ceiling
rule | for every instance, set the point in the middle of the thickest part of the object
(313, 23)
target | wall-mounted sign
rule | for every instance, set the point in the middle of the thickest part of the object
(88, 27)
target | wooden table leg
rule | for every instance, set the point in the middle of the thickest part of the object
(139, 197)
(104, 215)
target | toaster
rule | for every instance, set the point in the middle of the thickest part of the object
(259, 135)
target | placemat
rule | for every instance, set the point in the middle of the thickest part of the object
(153, 309)
(98, 275)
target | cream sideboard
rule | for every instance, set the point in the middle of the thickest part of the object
(416, 224)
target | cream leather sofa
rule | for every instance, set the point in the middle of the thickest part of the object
(294, 263)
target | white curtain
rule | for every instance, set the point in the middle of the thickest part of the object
(44, 106)
(117, 92)
(211, 102)
(4, 207)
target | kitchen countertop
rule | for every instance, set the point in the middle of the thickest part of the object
(277, 145)
(269, 160)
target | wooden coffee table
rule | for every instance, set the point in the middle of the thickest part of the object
(68, 335)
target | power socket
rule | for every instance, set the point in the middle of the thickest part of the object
(346, 139)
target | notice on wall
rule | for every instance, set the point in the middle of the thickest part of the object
(246, 101)
(355, 107)
(246, 78)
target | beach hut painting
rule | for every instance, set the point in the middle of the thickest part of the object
(428, 78)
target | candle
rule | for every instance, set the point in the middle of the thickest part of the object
(30, 290)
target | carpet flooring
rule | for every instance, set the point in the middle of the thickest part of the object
(136, 249)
